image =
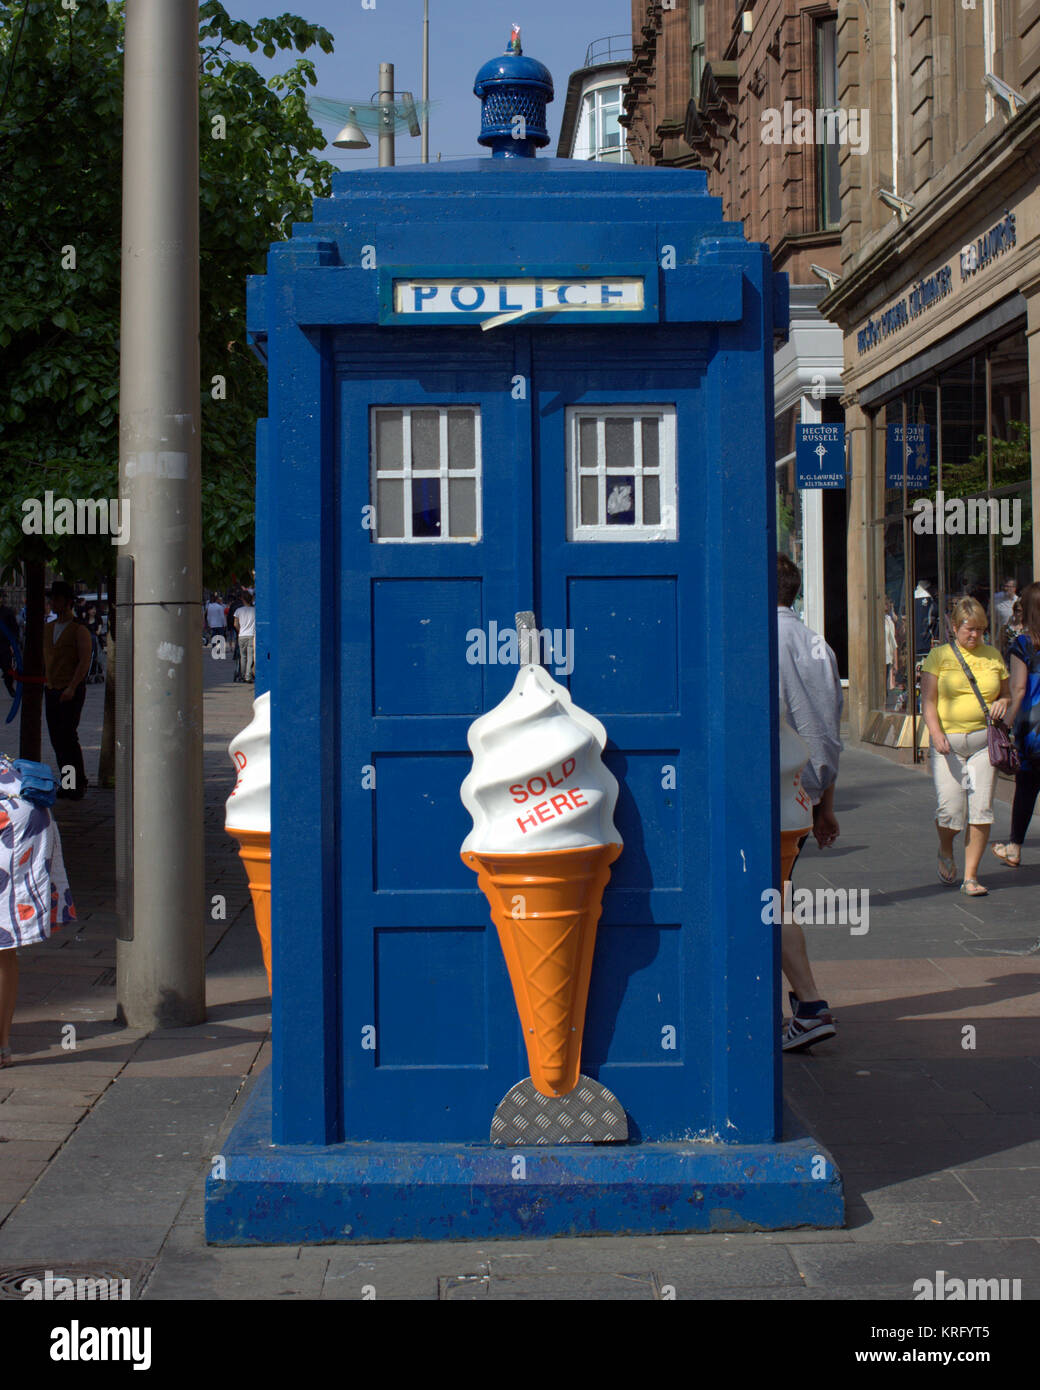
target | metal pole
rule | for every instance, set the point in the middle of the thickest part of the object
(386, 116)
(160, 971)
(425, 143)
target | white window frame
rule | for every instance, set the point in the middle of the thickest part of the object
(668, 528)
(589, 142)
(404, 474)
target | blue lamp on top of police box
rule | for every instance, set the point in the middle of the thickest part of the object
(514, 92)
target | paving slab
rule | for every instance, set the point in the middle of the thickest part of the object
(891, 1264)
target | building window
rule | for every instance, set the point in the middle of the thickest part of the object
(828, 174)
(600, 137)
(621, 473)
(971, 527)
(696, 47)
(426, 473)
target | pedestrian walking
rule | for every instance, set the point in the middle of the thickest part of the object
(215, 616)
(810, 687)
(245, 625)
(34, 891)
(67, 653)
(960, 681)
(1024, 718)
(1004, 601)
(8, 636)
(1010, 630)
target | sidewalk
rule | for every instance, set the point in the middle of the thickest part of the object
(104, 1146)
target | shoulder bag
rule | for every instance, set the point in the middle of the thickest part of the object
(1003, 754)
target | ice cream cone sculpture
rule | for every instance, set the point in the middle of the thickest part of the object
(248, 815)
(796, 812)
(542, 844)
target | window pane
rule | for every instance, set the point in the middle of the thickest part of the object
(621, 501)
(389, 507)
(828, 174)
(651, 500)
(963, 395)
(389, 439)
(1009, 386)
(461, 439)
(619, 442)
(651, 443)
(426, 449)
(462, 507)
(426, 507)
(587, 441)
(590, 500)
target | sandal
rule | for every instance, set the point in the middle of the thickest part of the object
(5, 1057)
(947, 869)
(1002, 853)
(977, 891)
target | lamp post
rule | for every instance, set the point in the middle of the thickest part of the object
(425, 144)
(160, 961)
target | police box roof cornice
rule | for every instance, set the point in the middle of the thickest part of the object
(647, 243)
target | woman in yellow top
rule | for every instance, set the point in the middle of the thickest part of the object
(961, 768)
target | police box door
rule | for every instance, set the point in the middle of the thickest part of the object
(436, 523)
(472, 488)
(620, 571)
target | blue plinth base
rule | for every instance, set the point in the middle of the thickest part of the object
(383, 1192)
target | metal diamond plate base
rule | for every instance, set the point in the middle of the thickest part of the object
(589, 1114)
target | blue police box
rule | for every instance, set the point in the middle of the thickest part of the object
(504, 385)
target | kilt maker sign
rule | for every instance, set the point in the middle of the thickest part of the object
(820, 456)
(916, 453)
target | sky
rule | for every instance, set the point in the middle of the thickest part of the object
(463, 35)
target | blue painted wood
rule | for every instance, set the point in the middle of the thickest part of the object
(262, 561)
(393, 1016)
(358, 1193)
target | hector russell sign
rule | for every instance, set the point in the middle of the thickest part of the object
(820, 456)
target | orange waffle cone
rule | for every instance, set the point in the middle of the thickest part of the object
(254, 849)
(546, 907)
(789, 850)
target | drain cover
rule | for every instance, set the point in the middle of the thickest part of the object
(91, 1282)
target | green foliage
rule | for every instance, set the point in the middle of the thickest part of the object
(1010, 464)
(61, 98)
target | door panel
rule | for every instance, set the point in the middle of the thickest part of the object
(637, 669)
(421, 968)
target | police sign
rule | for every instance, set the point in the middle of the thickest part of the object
(494, 300)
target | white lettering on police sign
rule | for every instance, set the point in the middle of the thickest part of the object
(425, 298)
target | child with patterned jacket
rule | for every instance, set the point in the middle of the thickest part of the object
(34, 890)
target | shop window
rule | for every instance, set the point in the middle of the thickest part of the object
(828, 173)
(1009, 394)
(621, 473)
(426, 473)
(978, 533)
